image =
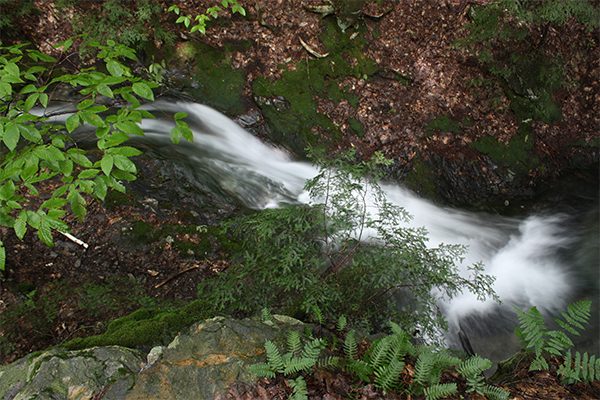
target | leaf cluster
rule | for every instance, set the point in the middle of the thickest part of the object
(33, 148)
(200, 20)
(133, 23)
(536, 338)
(385, 362)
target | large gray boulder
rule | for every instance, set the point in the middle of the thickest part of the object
(197, 365)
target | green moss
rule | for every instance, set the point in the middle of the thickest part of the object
(114, 199)
(208, 240)
(214, 81)
(444, 123)
(421, 179)
(289, 105)
(357, 127)
(516, 155)
(145, 327)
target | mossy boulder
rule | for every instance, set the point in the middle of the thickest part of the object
(197, 365)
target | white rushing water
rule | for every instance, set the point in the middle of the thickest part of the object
(525, 254)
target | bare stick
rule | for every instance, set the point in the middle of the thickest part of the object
(73, 238)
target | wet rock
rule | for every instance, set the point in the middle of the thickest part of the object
(60, 374)
(197, 365)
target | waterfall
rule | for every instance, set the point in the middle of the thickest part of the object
(537, 259)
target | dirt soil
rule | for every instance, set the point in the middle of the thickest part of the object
(415, 40)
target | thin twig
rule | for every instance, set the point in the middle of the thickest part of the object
(73, 238)
(176, 275)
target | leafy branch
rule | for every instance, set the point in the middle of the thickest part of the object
(201, 19)
(33, 148)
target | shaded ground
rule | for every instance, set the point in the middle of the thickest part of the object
(419, 78)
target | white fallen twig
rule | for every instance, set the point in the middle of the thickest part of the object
(73, 238)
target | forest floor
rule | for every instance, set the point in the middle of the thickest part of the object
(116, 274)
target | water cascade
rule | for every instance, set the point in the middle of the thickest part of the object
(546, 260)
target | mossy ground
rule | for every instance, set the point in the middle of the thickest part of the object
(289, 104)
(212, 79)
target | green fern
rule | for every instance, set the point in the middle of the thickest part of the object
(583, 369)
(266, 315)
(386, 376)
(533, 335)
(298, 386)
(350, 346)
(342, 323)
(577, 314)
(293, 342)
(440, 391)
(472, 369)
(299, 358)
(428, 369)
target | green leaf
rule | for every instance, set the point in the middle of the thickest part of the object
(11, 135)
(12, 69)
(77, 204)
(130, 128)
(5, 89)
(49, 153)
(44, 99)
(54, 202)
(72, 122)
(143, 90)
(29, 132)
(131, 99)
(115, 139)
(7, 191)
(30, 102)
(92, 118)
(100, 189)
(126, 151)
(88, 173)
(107, 164)
(106, 91)
(45, 233)
(28, 89)
(180, 115)
(85, 104)
(114, 68)
(80, 159)
(125, 164)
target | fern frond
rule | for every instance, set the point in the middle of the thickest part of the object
(350, 345)
(577, 314)
(342, 323)
(440, 390)
(423, 367)
(318, 315)
(293, 342)
(533, 329)
(266, 315)
(312, 349)
(297, 364)
(274, 357)
(379, 353)
(261, 369)
(474, 365)
(496, 393)
(557, 342)
(361, 369)
(298, 386)
(326, 362)
(539, 364)
(387, 376)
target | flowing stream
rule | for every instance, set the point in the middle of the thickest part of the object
(548, 260)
